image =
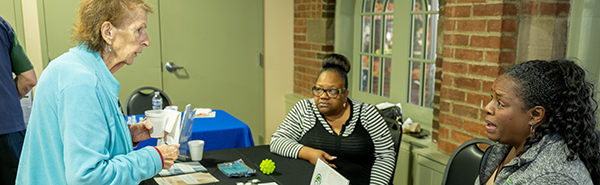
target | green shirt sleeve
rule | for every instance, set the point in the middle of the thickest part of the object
(19, 58)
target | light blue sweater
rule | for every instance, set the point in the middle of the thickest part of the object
(77, 133)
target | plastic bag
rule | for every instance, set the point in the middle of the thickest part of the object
(236, 169)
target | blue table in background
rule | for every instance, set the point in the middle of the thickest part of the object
(221, 132)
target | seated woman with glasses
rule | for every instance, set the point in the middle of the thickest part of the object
(347, 134)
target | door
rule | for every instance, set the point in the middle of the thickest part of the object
(218, 44)
(56, 22)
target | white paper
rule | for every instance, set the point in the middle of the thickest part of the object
(171, 120)
(173, 136)
(324, 174)
(189, 179)
(161, 181)
(186, 168)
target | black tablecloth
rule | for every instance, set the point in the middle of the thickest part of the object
(288, 171)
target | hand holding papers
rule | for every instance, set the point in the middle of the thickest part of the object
(324, 174)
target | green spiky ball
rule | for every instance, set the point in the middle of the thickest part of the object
(267, 166)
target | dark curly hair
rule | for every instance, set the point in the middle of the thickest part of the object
(336, 63)
(561, 87)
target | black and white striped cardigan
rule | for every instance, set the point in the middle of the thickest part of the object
(285, 141)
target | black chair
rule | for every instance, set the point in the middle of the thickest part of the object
(393, 119)
(138, 101)
(463, 166)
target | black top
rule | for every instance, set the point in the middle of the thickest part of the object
(355, 153)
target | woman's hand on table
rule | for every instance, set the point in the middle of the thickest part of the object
(140, 131)
(311, 155)
(169, 154)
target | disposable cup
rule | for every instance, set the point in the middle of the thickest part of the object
(171, 108)
(158, 118)
(196, 149)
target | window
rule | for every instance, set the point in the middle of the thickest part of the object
(376, 46)
(421, 61)
(395, 51)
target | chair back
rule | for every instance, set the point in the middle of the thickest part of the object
(393, 118)
(463, 165)
(138, 101)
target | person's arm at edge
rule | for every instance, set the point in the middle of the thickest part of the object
(26, 78)
(384, 164)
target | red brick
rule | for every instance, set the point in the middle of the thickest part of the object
(467, 83)
(301, 69)
(438, 85)
(478, 99)
(500, 56)
(299, 8)
(485, 42)
(475, 128)
(455, 67)
(460, 136)
(447, 147)
(456, 40)
(502, 26)
(446, 119)
(471, 25)
(444, 106)
(458, 11)
(311, 55)
(548, 9)
(438, 63)
(481, 70)
(315, 64)
(465, 111)
(299, 53)
(529, 8)
(327, 48)
(508, 42)
(301, 46)
(494, 9)
(451, 94)
(446, 80)
(487, 87)
(300, 22)
(563, 9)
(487, 10)
(448, 52)
(470, 55)
(482, 114)
(299, 37)
(449, 25)
(444, 132)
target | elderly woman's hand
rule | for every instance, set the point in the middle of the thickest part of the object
(169, 154)
(140, 131)
(311, 155)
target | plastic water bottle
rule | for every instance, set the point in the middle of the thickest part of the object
(157, 101)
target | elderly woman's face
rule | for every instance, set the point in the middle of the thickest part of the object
(131, 37)
(326, 104)
(507, 121)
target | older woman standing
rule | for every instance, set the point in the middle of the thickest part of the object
(349, 135)
(77, 133)
(542, 116)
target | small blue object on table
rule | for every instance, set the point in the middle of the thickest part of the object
(221, 132)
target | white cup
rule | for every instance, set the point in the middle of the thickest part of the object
(175, 108)
(196, 149)
(158, 118)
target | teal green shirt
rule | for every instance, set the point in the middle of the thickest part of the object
(77, 133)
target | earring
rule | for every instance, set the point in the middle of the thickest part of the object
(531, 130)
(109, 50)
(344, 104)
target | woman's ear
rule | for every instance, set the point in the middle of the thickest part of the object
(107, 32)
(538, 115)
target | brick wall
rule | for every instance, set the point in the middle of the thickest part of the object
(313, 39)
(481, 38)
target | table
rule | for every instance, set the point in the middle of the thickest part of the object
(288, 171)
(221, 132)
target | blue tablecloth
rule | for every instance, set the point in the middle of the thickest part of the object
(221, 132)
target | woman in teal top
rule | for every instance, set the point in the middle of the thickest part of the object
(77, 133)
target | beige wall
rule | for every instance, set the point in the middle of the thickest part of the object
(32, 34)
(278, 61)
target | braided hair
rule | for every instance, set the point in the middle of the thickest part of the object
(561, 87)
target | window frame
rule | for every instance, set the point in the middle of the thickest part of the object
(400, 64)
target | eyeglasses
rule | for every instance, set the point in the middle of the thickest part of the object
(331, 93)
